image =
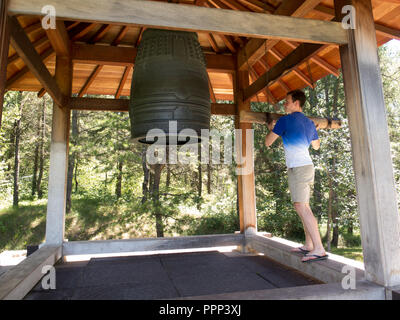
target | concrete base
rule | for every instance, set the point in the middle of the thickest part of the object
(18, 281)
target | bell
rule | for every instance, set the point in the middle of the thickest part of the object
(169, 89)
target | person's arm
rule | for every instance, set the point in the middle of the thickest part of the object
(271, 136)
(315, 144)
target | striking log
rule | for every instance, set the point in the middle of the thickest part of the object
(267, 117)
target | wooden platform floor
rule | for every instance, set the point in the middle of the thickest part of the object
(167, 276)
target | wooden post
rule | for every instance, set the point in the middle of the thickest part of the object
(246, 184)
(376, 194)
(55, 222)
(4, 45)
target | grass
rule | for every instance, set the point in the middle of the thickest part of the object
(105, 218)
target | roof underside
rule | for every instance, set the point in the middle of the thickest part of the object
(93, 79)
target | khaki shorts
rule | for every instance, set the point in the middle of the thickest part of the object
(301, 181)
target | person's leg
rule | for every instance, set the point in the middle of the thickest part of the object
(311, 225)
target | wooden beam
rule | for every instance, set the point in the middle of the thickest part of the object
(32, 59)
(59, 39)
(212, 42)
(191, 18)
(4, 47)
(266, 117)
(212, 95)
(245, 160)
(372, 160)
(298, 56)
(100, 33)
(125, 56)
(122, 105)
(255, 48)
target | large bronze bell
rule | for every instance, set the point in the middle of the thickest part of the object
(169, 83)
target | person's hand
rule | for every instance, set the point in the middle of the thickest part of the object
(271, 125)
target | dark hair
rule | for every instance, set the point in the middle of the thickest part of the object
(298, 95)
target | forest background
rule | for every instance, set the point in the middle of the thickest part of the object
(114, 194)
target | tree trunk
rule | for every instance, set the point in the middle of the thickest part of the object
(41, 150)
(146, 173)
(199, 180)
(72, 159)
(17, 135)
(328, 229)
(118, 186)
(208, 178)
(335, 235)
(157, 168)
(36, 155)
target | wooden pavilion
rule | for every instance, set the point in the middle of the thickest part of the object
(256, 50)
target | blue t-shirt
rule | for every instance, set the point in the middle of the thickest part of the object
(297, 132)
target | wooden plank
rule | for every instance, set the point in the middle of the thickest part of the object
(372, 161)
(298, 56)
(27, 52)
(223, 109)
(190, 18)
(265, 117)
(255, 48)
(18, 281)
(59, 39)
(4, 46)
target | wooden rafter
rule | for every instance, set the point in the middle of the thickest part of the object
(82, 30)
(25, 49)
(296, 70)
(193, 18)
(212, 42)
(90, 80)
(318, 60)
(266, 67)
(255, 48)
(99, 34)
(298, 56)
(234, 5)
(258, 6)
(212, 94)
(120, 36)
(122, 82)
(46, 55)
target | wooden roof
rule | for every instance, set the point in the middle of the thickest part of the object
(114, 78)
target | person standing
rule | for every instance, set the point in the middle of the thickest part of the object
(298, 132)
